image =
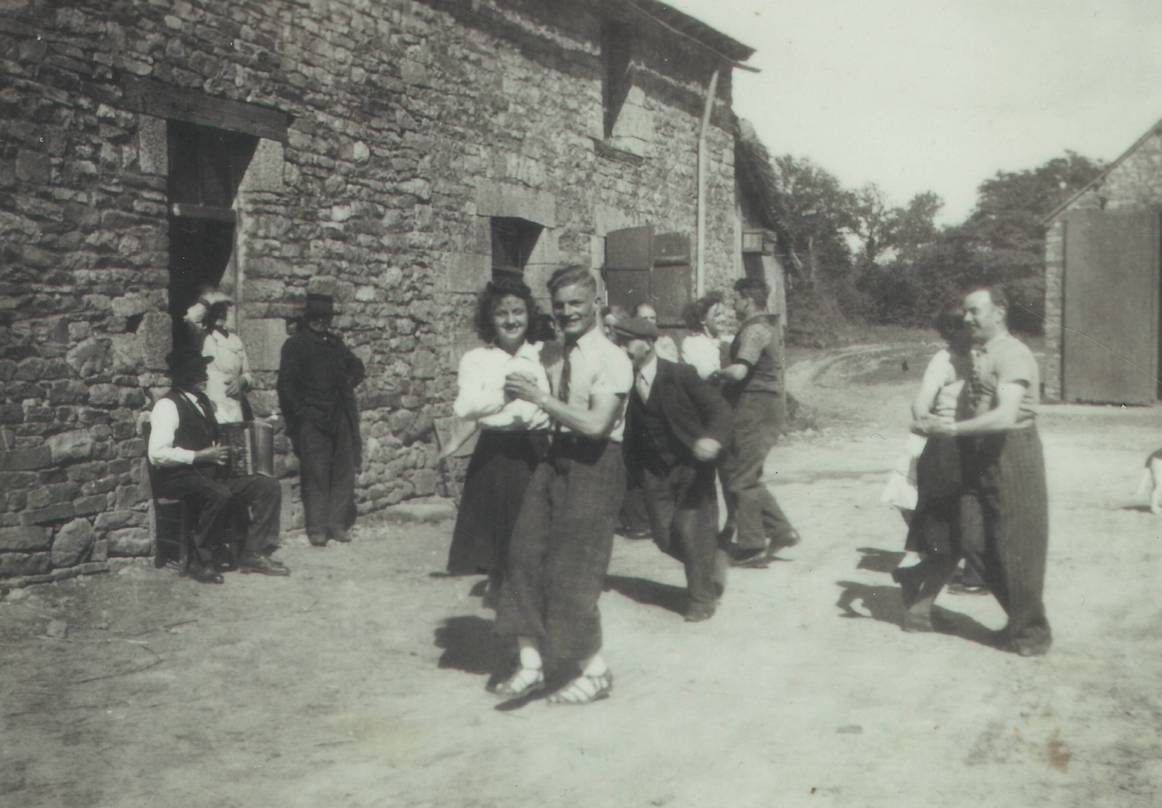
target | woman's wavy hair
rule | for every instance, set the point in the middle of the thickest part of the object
(694, 313)
(492, 294)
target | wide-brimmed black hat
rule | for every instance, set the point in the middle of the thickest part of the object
(184, 366)
(635, 328)
(318, 305)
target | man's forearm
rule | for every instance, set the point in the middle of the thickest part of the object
(736, 372)
(587, 422)
(991, 422)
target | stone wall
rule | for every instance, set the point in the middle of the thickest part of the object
(411, 123)
(1135, 181)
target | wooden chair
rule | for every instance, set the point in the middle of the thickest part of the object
(172, 521)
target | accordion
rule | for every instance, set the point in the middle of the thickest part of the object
(251, 448)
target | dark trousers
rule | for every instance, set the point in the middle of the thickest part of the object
(683, 509)
(217, 501)
(758, 419)
(634, 516)
(560, 549)
(1009, 484)
(1003, 532)
(327, 460)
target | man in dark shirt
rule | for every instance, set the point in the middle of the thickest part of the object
(753, 384)
(676, 426)
(317, 376)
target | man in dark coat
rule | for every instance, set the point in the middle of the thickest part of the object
(187, 464)
(317, 376)
(676, 426)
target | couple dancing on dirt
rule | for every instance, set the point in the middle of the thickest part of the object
(546, 479)
(980, 477)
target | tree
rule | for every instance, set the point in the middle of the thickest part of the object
(816, 214)
(1002, 242)
(1007, 234)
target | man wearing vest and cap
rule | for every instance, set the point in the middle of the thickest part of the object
(317, 376)
(676, 425)
(187, 461)
(563, 539)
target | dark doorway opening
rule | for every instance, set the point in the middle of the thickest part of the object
(206, 166)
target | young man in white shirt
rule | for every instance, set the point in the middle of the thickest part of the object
(563, 539)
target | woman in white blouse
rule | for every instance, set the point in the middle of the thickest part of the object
(229, 373)
(702, 347)
(513, 433)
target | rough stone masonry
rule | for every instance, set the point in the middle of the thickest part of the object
(409, 127)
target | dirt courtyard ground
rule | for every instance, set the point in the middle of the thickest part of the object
(359, 681)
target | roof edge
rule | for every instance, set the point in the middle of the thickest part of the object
(1100, 178)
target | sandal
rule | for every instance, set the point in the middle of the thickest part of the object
(522, 682)
(585, 689)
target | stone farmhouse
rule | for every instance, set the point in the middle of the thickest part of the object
(391, 153)
(1103, 335)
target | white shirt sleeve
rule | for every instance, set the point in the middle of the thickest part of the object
(163, 426)
(478, 394)
(245, 364)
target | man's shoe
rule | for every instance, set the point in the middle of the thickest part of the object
(917, 622)
(698, 612)
(757, 558)
(317, 541)
(968, 589)
(260, 565)
(341, 536)
(790, 540)
(205, 575)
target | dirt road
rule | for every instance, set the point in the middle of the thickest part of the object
(359, 680)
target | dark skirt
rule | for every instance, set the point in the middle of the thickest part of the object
(935, 525)
(494, 488)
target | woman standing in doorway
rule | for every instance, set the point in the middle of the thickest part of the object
(229, 373)
(513, 433)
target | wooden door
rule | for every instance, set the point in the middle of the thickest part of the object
(641, 267)
(1110, 341)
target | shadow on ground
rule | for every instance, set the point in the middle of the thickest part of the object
(877, 560)
(469, 645)
(648, 593)
(882, 603)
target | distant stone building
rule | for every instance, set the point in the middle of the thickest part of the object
(1102, 295)
(392, 153)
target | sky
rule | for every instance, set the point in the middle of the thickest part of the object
(939, 95)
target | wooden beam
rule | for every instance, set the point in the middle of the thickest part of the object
(166, 101)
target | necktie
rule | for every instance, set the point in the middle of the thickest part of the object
(643, 388)
(563, 385)
(566, 372)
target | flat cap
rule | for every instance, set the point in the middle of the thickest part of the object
(635, 327)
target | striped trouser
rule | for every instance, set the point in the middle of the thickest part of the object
(1007, 479)
(560, 549)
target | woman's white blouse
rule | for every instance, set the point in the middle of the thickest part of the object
(229, 363)
(703, 353)
(481, 397)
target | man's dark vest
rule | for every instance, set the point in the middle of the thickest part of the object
(655, 439)
(195, 431)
